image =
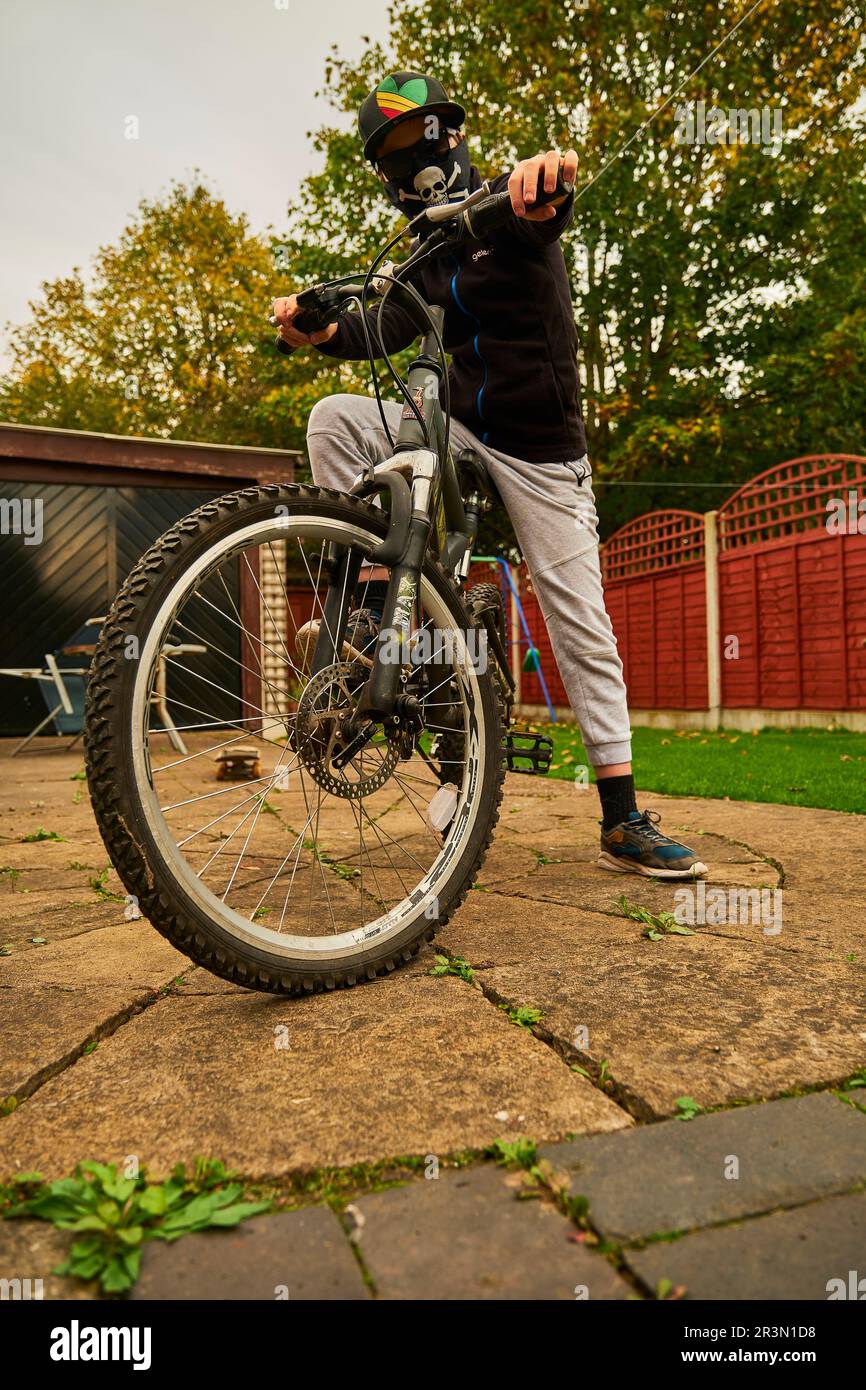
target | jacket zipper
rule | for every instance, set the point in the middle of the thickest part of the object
(468, 312)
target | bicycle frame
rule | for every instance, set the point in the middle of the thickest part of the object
(428, 508)
(428, 512)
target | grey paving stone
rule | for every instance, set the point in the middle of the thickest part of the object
(671, 1176)
(467, 1236)
(301, 1254)
(857, 1095)
(789, 1255)
(29, 1252)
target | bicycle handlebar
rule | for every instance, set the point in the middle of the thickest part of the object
(476, 216)
(319, 306)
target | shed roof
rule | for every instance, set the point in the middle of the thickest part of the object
(39, 453)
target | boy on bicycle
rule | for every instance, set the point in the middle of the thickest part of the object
(515, 400)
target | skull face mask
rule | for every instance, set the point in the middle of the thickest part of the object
(424, 175)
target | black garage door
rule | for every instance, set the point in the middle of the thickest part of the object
(92, 537)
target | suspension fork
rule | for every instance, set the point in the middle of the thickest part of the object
(344, 563)
(382, 687)
(424, 441)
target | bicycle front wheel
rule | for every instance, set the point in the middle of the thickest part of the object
(259, 844)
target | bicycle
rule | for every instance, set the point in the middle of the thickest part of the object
(371, 792)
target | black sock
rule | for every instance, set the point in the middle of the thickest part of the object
(371, 594)
(617, 799)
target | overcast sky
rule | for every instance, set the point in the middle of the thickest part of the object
(226, 86)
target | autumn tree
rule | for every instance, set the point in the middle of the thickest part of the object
(167, 334)
(709, 279)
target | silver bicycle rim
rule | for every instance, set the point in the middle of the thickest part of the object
(423, 896)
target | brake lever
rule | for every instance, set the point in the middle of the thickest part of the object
(382, 279)
(444, 212)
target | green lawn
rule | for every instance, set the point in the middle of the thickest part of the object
(798, 767)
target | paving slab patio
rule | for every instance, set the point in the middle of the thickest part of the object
(716, 1167)
(293, 1256)
(687, 1016)
(470, 1236)
(66, 995)
(185, 1064)
(409, 1065)
(788, 1255)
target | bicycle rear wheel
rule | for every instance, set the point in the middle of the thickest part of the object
(484, 602)
(268, 851)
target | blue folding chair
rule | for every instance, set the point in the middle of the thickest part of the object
(62, 684)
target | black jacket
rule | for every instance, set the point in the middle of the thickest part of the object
(510, 332)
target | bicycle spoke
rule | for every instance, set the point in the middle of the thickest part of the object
(214, 748)
(241, 665)
(251, 636)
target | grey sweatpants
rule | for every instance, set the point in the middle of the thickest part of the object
(554, 519)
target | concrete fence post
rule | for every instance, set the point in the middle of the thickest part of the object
(714, 645)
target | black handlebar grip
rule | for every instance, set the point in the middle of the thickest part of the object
(307, 321)
(561, 190)
(487, 216)
(494, 211)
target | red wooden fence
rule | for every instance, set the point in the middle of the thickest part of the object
(792, 595)
(655, 592)
(789, 594)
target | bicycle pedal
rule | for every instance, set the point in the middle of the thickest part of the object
(534, 749)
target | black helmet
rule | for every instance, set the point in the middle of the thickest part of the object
(400, 96)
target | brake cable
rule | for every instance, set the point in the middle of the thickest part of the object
(364, 293)
(410, 289)
(421, 255)
(377, 391)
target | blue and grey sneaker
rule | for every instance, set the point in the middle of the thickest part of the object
(636, 846)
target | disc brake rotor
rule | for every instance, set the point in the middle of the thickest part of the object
(326, 702)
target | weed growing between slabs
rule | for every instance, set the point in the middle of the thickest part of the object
(113, 1217)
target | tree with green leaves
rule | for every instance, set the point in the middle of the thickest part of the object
(709, 278)
(167, 335)
(718, 287)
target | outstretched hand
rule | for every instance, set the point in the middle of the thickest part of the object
(541, 171)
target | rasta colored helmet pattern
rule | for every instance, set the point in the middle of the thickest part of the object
(398, 97)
